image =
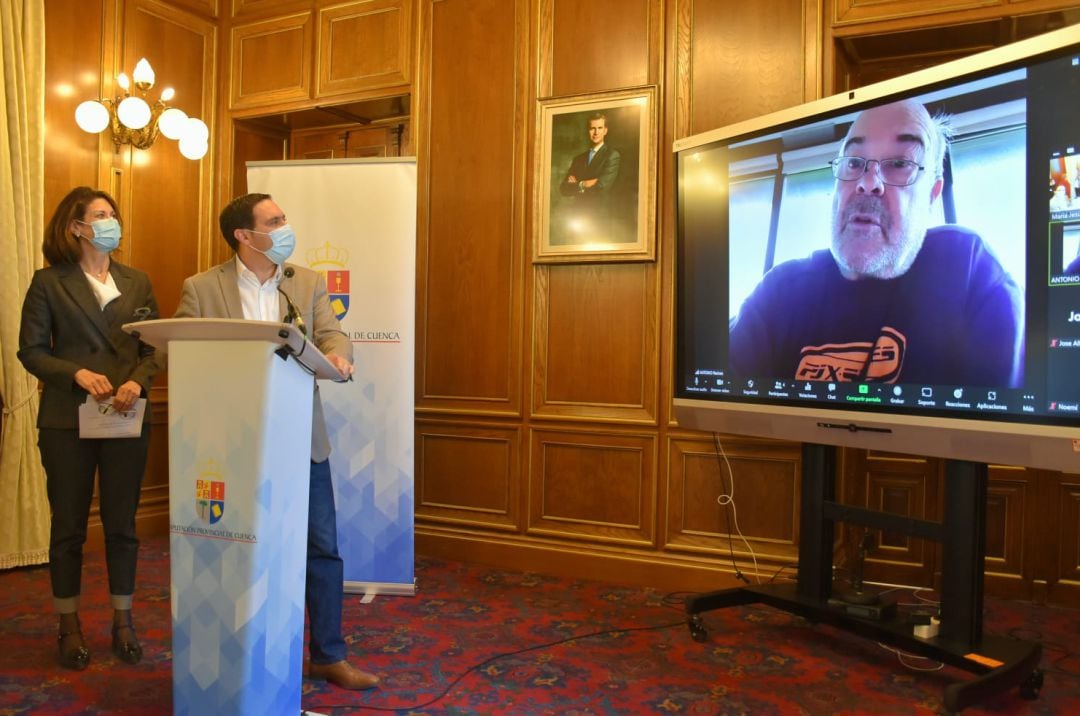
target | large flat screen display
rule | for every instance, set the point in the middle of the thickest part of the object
(896, 267)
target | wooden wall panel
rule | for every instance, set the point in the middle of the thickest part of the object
(345, 141)
(859, 60)
(206, 8)
(1066, 494)
(168, 227)
(846, 12)
(252, 144)
(596, 350)
(468, 473)
(470, 225)
(898, 493)
(871, 43)
(901, 485)
(595, 486)
(762, 476)
(1009, 494)
(746, 59)
(598, 45)
(271, 61)
(72, 75)
(249, 8)
(851, 17)
(364, 45)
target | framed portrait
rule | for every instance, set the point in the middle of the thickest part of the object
(596, 178)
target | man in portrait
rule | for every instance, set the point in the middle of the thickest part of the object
(893, 299)
(588, 185)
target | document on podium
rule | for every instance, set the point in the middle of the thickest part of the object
(102, 420)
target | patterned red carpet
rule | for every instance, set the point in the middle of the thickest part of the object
(475, 640)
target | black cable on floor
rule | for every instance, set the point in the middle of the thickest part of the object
(485, 662)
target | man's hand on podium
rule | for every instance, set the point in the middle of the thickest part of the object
(343, 366)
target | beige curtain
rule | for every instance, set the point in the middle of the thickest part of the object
(24, 509)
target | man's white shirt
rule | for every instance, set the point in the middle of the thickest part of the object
(259, 300)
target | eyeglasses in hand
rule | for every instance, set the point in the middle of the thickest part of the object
(108, 409)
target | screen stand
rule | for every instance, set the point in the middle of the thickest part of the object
(858, 594)
(999, 663)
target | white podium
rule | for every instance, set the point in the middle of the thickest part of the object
(240, 401)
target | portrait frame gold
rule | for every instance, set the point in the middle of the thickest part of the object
(616, 222)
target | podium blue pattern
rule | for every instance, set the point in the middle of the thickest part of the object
(238, 584)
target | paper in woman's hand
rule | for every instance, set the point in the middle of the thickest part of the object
(102, 420)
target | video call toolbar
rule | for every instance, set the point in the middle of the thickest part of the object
(855, 395)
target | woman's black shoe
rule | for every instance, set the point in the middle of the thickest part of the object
(124, 643)
(73, 651)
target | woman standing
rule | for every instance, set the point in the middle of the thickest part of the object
(70, 339)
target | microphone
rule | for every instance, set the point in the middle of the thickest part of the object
(292, 315)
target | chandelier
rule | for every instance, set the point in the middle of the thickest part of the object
(136, 122)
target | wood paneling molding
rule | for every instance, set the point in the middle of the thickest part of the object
(73, 74)
(854, 18)
(249, 8)
(609, 563)
(599, 45)
(167, 236)
(206, 8)
(847, 12)
(344, 141)
(253, 143)
(901, 486)
(364, 45)
(468, 474)
(596, 354)
(271, 61)
(745, 62)
(681, 74)
(595, 486)
(1068, 536)
(471, 148)
(1006, 522)
(764, 479)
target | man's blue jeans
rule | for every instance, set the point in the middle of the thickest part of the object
(325, 571)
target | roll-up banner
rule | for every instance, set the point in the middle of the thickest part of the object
(355, 222)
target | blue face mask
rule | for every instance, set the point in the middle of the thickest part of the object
(282, 243)
(106, 234)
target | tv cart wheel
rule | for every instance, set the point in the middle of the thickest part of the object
(1030, 687)
(698, 632)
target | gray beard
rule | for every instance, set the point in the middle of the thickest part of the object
(881, 264)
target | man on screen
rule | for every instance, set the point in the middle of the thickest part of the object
(893, 299)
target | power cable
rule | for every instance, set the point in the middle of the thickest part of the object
(441, 695)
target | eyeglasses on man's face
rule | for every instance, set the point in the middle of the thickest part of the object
(895, 172)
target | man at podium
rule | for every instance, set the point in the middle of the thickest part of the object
(257, 284)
